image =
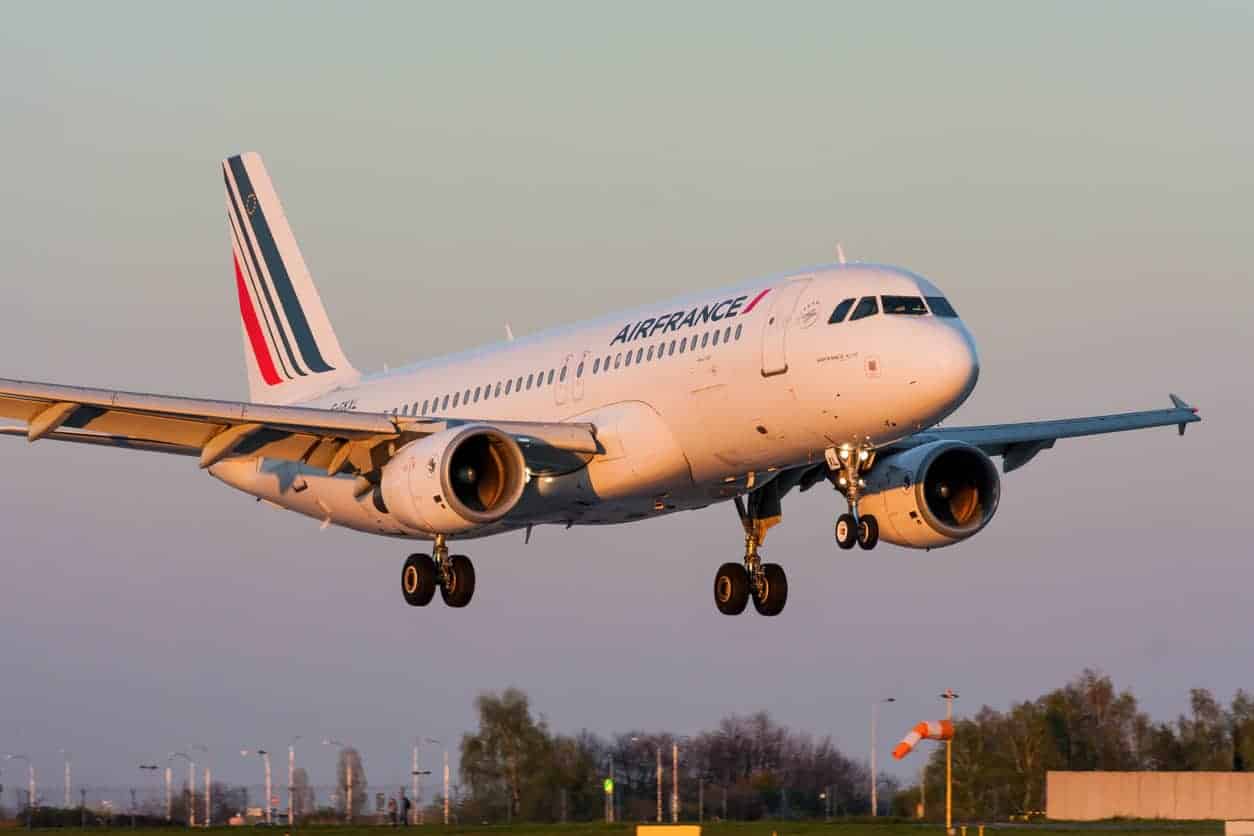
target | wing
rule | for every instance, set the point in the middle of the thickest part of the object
(1017, 444)
(339, 442)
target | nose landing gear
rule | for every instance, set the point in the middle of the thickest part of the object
(454, 575)
(845, 468)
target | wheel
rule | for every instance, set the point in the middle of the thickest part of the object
(846, 531)
(731, 589)
(461, 581)
(774, 590)
(868, 532)
(418, 580)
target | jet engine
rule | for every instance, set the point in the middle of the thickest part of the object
(456, 480)
(932, 495)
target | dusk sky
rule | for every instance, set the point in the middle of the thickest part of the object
(1077, 177)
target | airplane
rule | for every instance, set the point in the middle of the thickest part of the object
(838, 374)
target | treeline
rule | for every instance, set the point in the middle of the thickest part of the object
(748, 767)
(1001, 757)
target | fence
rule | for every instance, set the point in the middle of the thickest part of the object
(1090, 796)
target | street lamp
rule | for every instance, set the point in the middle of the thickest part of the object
(265, 758)
(658, 749)
(30, 779)
(66, 755)
(200, 747)
(949, 696)
(291, 781)
(415, 777)
(191, 785)
(875, 778)
(348, 776)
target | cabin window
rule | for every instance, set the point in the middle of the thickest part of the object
(579, 370)
(739, 328)
(618, 359)
(649, 356)
(842, 310)
(596, 365)
(683, 345)
(550, 377)
(671, 351)
(627, 362)
(531, 378)
(906, 305)
(466, 397)
(639, 354)
(497, 393)
(716, 337)
(424, 406)
(405, 410)
(445, 402)
(867, 306)
(478, 389)
(456, 395)
(940, 307)
(509, 386)
(705, 339)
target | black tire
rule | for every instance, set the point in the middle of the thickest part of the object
(868, 532)
(418, 580)
(846, 531)
(461, 581)
(775, 590)
(731, 589)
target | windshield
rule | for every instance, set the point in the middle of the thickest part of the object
(940, 307)
(908, 305)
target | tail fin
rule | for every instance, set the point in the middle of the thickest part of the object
(292, 351)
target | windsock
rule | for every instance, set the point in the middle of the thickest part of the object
(933, 730)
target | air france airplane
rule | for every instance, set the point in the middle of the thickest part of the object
(837, 374)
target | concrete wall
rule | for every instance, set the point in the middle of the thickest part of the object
(1088, 796)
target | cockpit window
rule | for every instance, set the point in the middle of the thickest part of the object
(940, 307)
(867, 306)
(908, 305)
(842, 310)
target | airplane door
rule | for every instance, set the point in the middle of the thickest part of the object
(774, 353)
(561, 392)
(576, 388)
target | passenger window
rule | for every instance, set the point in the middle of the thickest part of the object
(579, 370)
(424, 406)
(727, 335)
(683, 345)
(531, 378)
(596, 365)
(466, 398)
(842, 310)
(455, 396)
(518, 384)
(940, 307)
(550, 377)
(627, 360)
(705, 339)
(639, 354)
(509, 386)
(671, 351)
(716, 337)
(738, 330)
(649, 356)
(405, 410)
(618, 359)
(906, 305)
(497, 394)
(477, 391)
(446, 402)
(867, 306)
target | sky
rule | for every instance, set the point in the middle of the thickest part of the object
(1077, 177)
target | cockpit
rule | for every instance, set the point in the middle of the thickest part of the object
(891, 306)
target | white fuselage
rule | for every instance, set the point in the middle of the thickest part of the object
(684, 420)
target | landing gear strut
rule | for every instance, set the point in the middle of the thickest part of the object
(765, 583)
(454, 575)
(846, 466)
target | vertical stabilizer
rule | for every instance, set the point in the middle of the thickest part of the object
(291, 349)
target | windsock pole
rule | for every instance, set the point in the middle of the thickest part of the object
(949, 696)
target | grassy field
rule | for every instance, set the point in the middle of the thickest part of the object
(762, 828)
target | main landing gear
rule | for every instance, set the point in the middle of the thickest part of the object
(453, 575)
(735, 583)
(847, 466)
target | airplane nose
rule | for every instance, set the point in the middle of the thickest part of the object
(955, 365)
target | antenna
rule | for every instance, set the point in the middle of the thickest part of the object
(509, 332)
(840, 253)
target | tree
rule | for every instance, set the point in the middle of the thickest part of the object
(303, 800)
(350, 758)
(507, 758)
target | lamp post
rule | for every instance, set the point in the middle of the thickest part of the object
(265, 759)
(948, 696)
(348, 777)
(145, 767)
(200, 747)
(658, 750)
(191, 785)
(417, 816)
(30, 781)
(875, 778)
(66, 755)
(446, 788)
(291, 781)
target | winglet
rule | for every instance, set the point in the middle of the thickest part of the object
(1180, 403)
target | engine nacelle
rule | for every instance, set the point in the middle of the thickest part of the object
(456, 480)
(933, 495)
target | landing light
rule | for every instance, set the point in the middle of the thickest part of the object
(863, 455)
